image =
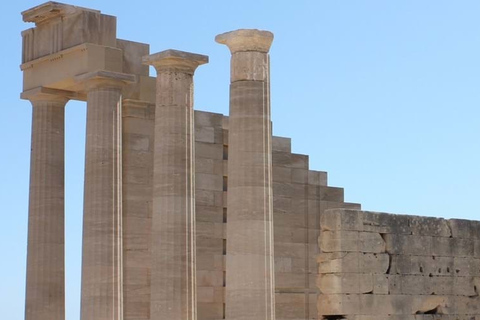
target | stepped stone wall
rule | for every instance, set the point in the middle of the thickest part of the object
(299, 196)
(380, 266)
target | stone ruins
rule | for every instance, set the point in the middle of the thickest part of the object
(191, 214)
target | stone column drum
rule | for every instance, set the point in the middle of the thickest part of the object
(45, 291)
(102, 224)
(173, 276)
(250, 264)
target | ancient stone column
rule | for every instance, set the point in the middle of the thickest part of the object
(173, 282)
(250, 264)
(45, 291)
(102, 223)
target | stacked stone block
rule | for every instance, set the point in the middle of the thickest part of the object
(296, 221)
(382, 266)
(210, 207)
(299, 196)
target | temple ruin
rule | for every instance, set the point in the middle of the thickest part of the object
(196, 215)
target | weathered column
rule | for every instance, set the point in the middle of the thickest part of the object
(173, 283)
(102, 223)
(250, 264)
(45, 291)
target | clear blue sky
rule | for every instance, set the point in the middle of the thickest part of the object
(384, 95)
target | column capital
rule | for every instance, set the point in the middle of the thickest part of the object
(175, 60)
(99, 79)
(47, 94)
(242, 40)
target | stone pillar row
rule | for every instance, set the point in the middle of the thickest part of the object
(250, 284)
(102, 219)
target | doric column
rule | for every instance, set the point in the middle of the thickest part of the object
(173, 283)
(45, 291)
(102, 223)
(250, 264)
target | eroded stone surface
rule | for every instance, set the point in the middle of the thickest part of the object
(429, 266)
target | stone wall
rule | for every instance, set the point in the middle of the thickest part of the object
(299, 196)
(380, 266)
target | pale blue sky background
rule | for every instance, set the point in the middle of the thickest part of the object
(384, 95)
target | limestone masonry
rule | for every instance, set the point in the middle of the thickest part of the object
(196, 215)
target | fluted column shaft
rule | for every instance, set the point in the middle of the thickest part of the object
(250, 260)
(102, 224)
(173, 280)
(45, 290)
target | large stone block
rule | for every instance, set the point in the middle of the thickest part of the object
(289, 234)
(466, 266)
(208, 119)
(132, 56)
(209, 278)
(338, 304)
(468, 305)
(466, 286)
(290, 306)
(59, 71)
(317, 178)
(299, 161)
(408, 244)
(290, 280)
(282, 174)
(353, 262)
(209, 150)
(351, 241)
(450, 247)
(281, 144)
(205, 181)
(300, 176)
(427, 226)
(347, 283)
(325, 193)
(212, 310)
(61, 26)
(422, 265)
(386, 223)
(477, 248)
(281, 159)
(461, 228)
(341, 219)
(205, 134)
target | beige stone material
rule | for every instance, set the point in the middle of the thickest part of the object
(246, 40)
(174, 277)
(353, 262)
(182, 208)
(431, 267)
(60, 26)
(281, 144)
(351, 241)
(421, 265)
(45, 288)
(59, 70)
(250, 264)
(346, 283)
(137, 176)
(102, 223)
